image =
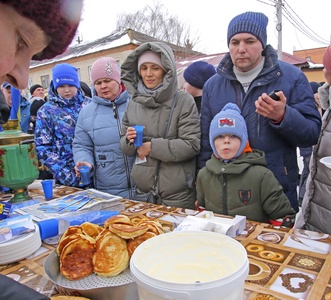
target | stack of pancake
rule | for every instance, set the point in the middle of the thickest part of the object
(106, 250)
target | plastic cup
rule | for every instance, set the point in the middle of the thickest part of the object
(85, 174)
(138, 141)
(48, 228)
(48, 188)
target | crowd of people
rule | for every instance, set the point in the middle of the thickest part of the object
(223, 143)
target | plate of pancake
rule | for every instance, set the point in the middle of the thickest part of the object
(104, 250)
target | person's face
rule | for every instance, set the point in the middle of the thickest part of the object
(22, 39)
(151, 74)
(107, 88)
(67, 91)
(39, 92)
(7, 93)
(227, 145)
(245, 51)
(192, 90)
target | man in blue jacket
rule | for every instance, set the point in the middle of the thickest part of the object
(245, 76)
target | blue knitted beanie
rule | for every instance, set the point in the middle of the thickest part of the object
(198, 72)
(254, 23)
(65, 74)
(228, 121)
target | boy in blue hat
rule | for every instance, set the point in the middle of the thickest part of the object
(235, 180)
(55, 124)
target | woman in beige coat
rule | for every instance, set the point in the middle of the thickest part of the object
(149, 74)
(315, 213)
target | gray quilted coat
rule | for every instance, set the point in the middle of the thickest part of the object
(178, 150)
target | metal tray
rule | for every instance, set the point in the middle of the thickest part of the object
(120, 287)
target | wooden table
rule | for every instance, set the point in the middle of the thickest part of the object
(277, 262)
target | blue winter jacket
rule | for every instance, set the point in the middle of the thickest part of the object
(97, 141)
(299, 128)
(24, 114)
(54, 133)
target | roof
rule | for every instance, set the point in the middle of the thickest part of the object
(129, 36)
(214, 59)
(115, 39)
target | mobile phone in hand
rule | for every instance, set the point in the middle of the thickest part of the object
(273, 95)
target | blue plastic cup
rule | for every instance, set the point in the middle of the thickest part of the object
(85, 174)
(48, 188)
(138, 141)
(48, 228)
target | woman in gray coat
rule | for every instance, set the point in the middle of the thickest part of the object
(97, 133)
(149, 73)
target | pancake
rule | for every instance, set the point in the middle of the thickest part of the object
(91, 229)
(127, 231)
(134, 243)
(121, 219)
(153, 226)
(111, 256)
(72, 230)
(64, 241)
(76, 258)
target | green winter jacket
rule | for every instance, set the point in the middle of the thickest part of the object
(245, 187)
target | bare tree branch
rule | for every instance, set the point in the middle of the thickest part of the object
(156, 22)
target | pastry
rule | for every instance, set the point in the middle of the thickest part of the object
(134, 243)
(127, 231)
(64, 241)
(121, 219)
(76, 258)
(91, 229)
(111, 256)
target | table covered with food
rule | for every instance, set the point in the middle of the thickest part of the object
(282, 263)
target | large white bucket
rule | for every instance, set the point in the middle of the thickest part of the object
(194, 265)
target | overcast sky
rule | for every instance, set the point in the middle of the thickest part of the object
(209, 19)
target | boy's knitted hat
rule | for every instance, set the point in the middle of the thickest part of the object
(65, 74)
(149, 57)
(59, 19)
(327, 59)
(105, 67)
(197, 73)
(228, 121)
(251, 22)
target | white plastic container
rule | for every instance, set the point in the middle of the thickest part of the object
(190, 265)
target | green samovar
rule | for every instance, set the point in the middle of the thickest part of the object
(18, 160)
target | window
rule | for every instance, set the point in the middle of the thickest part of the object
(30, 82)
(45, 81)
(78, 71)
(89, 73)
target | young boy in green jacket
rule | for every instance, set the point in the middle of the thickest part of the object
(235, 180)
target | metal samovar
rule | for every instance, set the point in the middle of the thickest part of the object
(18, 160)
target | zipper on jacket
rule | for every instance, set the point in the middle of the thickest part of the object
(126, 163)
(225, 194)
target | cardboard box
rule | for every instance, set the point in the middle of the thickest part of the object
(206, 220)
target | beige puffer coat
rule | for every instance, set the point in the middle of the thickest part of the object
(315, 213)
